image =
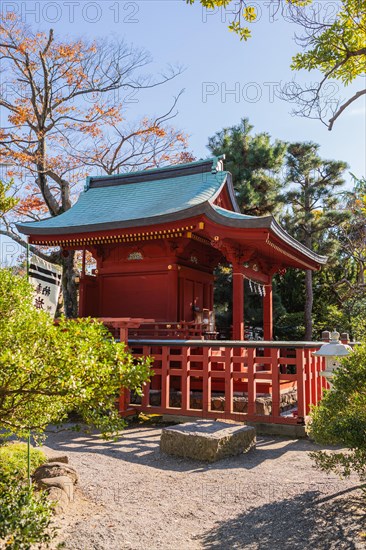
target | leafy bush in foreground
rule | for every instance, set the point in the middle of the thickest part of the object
(25, 515)
(13, 459)
(340, 418)
(47, 371)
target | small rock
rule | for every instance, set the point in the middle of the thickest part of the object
(58, 458)
(60, 498)
(62, 482)
(55, 469)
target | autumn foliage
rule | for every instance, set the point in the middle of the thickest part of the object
(66, 112)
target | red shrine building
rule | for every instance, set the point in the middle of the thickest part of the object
(157, 236)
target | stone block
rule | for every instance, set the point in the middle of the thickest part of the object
(62, 482)
(58, 458)
(207, 440)
(59, 498)
(55, 469)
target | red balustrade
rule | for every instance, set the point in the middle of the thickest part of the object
(242, 381)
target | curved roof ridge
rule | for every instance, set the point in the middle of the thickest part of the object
(235, 219)
(284, 236)
(234, 215)
(202, 166)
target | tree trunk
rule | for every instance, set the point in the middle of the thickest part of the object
(361, 273)
(308, 304)
(69, 289)
(309, 296)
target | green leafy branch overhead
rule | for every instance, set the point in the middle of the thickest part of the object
(335, 47)
(7, 202)
(245, 13)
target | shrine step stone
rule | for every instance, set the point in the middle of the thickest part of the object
(207, 440)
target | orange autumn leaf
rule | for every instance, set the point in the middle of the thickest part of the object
(31, 204)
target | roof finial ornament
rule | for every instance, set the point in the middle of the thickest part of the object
(218, 164)
(334, 336)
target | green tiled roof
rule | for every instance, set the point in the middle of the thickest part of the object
(158, 196)
(231, 214)
(113, 201)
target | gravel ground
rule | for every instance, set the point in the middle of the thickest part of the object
(132, 497)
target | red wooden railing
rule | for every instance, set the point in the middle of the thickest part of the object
(243, 381)
(172, 331)
(157, 330)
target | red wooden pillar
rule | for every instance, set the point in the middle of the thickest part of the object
(300, 375)
(207, 296)
(238, 305)
(172, 312)
(268, 313)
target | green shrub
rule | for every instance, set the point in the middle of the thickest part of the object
(14, 461)
(25, 515)
(47, 371)
(340, 418)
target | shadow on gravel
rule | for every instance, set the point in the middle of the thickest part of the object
(140, 445)
(307, 521)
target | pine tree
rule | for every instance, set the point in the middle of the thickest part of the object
(312, 206)
(255, 164)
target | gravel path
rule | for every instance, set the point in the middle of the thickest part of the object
(132, 497)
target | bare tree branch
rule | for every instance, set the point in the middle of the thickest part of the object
(344, 106)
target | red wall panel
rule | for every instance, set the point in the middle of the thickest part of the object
(136, 296)
(89, 297)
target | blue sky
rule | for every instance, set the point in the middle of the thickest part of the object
(215, 62)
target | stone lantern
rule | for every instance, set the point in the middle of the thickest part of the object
(332, 351)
